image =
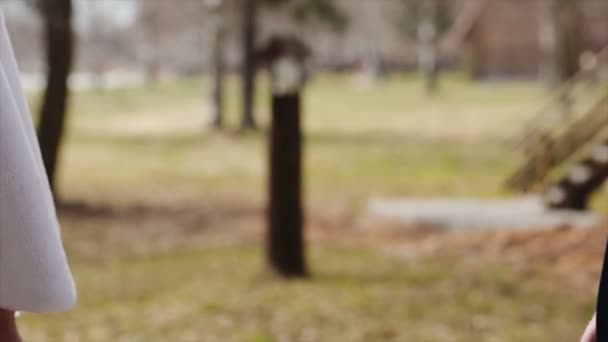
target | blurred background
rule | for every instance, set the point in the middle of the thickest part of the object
(445, 184)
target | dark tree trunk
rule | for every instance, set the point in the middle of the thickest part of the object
(249, 63)
(285, 236)
(59, 49)
(219, 72)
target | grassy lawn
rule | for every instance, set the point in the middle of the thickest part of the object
(389, 139)
(221, 294)
(163, 219)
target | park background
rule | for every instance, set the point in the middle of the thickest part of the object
(154, 128)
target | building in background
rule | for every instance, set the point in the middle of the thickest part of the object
(504, 39)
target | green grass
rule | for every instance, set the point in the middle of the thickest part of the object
(167, 246)
(389, 139)
(222, 294)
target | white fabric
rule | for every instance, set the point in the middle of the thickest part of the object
(34, 274)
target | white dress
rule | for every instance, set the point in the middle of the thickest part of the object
(34, 273)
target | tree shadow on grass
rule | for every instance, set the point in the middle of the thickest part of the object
(201, 213)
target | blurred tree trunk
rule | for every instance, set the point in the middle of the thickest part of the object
(150, 17)
(249, 33)
(152, 64)
(560, 40)
(219, 67)
(286, 250)
(548, 39)
(427, 40)
(57, 15)
(571, 37)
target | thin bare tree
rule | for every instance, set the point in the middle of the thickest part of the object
(59, 40)
(249, 12)
(218, 15)
(560, 40)
(428, 58)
